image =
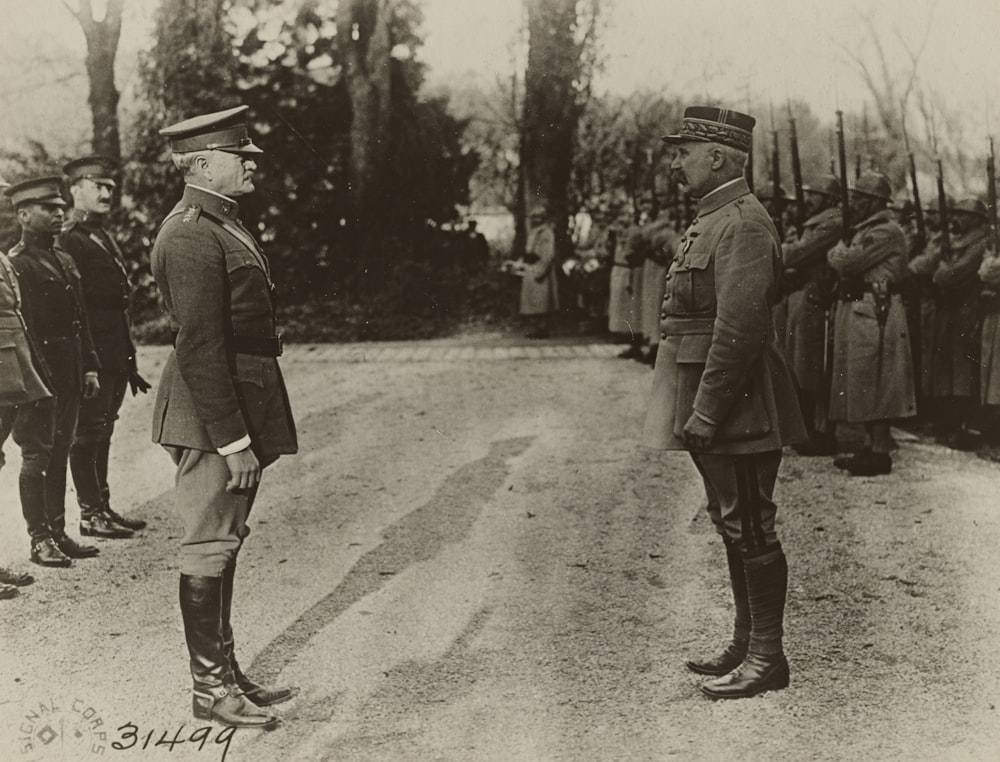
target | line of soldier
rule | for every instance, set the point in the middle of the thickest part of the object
(66, 359)
(890, 317)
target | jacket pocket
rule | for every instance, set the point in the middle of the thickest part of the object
(11, 377)
(250, 369)
(695, 283)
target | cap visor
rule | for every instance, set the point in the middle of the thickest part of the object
(675, 139)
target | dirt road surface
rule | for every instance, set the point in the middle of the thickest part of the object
(472, 559)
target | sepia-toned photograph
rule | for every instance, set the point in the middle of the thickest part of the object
(499, 380)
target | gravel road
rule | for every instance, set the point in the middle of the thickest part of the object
(472, 559)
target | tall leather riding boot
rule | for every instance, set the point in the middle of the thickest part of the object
(765, 667)
(736, 651)
(83, 466)
(259, 695)
(216, 695)
(101, 463)
(44, 550)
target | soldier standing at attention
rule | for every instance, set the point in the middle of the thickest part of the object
(989, 378)
(872, 369)
(106, 291)
(809, 281)
(221, 409)
(56, 320)
(660, 246)
(22, 385)
(722, 391)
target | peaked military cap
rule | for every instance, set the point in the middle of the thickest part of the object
(42, 190)
(707, 124)
(220, 130)
(825, 185)
(97, 168)
(873, 185)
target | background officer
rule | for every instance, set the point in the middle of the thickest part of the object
(106, 291)
(56, 320)
(221, 409)
(722, 391)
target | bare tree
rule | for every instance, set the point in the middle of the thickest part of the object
(102, 38)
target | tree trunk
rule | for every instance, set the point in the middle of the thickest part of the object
(365, 41)
(102, 48)
(551, 110)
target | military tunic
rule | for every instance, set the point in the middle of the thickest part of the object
(54, 313)
(805, 347)
(872, 367)
(217, 388)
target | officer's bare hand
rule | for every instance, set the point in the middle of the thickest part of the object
(698, 434)
(91, 386)
(138, 384)
(244, 469)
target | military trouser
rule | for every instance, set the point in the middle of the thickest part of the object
(214, 519)
(92, 442)
(33, 426)
(740, 490)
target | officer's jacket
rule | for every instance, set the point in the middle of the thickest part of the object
(717, 354)
(106, 290)
(22, 374)
(877, 251)
(53, 309)
(216, 286)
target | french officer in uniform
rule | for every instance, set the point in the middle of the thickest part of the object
(56, 319)
(106, 291)
(221, 408)
(722, 391)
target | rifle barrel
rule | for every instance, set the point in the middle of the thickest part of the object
(845, 206)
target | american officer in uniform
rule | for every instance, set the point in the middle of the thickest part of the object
(53, 309)
(106, 291)
(722, 391)
(872, 380)
(22, 385)
(221, 409)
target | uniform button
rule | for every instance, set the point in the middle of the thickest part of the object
(666, 297)
(670, 276)
(663, 316)
(663, 336)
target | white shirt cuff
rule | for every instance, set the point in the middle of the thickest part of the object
(234, 447)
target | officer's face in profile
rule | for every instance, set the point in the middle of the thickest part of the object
(93, 196)
(41, 218)
(231, 174)
(695, 165)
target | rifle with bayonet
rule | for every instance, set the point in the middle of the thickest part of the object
(989, 294)
(777, 197)
(846, 233)
(918, 209)
(800, 194)
(943, 221)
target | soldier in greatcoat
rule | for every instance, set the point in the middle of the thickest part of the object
(808, 284)
(623, 299)
(661, 241)
(56, 319)
(954, 373)
(722, 391)
(540, 284)
(221, 408)
(106, 291)
(872, 380)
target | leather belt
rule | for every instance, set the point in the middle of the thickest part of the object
(261, 346)
(678, 326)
(854, 291)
